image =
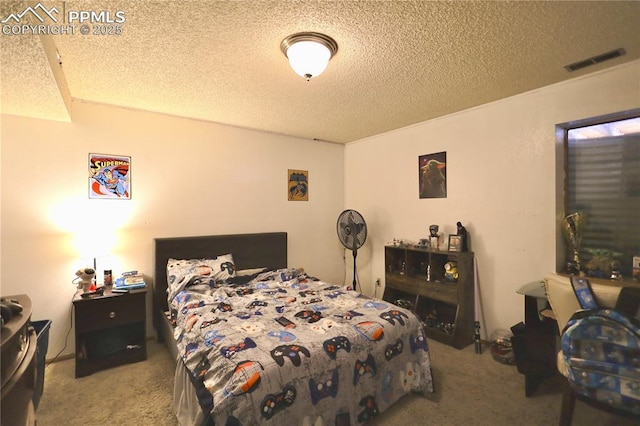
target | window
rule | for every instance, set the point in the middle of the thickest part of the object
(602, 179)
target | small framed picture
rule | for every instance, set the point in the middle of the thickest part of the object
(455, 242)
(298, 185)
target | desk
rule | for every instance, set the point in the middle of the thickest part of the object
(534, 340)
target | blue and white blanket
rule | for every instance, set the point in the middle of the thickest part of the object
(284, 348)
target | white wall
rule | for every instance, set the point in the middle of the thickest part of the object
(501, 183)
(197, 178)
(188, 178)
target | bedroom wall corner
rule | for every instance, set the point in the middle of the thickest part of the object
(500, 182)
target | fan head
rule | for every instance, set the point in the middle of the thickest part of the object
(352, 229)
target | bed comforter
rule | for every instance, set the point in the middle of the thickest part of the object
(284, 348)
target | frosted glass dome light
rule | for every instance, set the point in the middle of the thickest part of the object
(309, 53)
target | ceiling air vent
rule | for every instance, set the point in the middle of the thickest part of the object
(595, 60)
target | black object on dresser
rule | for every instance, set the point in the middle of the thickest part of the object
(110, 330)
(445, 306)
(18, 366)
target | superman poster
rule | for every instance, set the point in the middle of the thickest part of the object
(109, 177)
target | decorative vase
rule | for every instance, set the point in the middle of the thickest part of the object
(573, 230)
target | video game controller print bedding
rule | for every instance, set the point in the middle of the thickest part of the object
(285, 348)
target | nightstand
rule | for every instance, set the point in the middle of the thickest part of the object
(110, 330)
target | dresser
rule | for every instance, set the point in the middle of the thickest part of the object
(18, 367)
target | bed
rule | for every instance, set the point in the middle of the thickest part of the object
(256, 341)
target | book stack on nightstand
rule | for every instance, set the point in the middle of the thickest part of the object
(130, 280)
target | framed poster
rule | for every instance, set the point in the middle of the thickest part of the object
(432, 175)
(109, 177)
(298, 185)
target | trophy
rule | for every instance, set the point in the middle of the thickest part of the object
(573, 228)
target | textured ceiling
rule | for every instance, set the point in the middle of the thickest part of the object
(398, 62)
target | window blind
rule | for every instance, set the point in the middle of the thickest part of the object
(603, 180)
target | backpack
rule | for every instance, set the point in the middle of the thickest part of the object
(601, 348)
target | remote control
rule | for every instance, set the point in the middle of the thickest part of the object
(285, 322)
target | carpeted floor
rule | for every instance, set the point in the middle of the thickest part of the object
(471, 389)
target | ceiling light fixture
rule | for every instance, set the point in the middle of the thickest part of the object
(309, 53)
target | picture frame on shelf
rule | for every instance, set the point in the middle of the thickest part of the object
(455, 243)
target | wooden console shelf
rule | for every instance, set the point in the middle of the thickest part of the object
(446, 307)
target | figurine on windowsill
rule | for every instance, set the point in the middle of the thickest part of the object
(616, 273)
(603, 263)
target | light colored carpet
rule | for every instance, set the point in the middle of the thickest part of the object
(132, 394)
(471, 389)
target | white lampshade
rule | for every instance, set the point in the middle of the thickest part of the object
(309, 53)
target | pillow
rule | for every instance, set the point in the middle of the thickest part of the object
(282, 275)
(245, 272)
(218, 268)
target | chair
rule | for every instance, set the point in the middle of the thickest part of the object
(564, 303)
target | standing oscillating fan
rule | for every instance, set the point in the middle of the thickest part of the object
(352, 232)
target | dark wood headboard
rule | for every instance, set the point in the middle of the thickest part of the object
(249, 251)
